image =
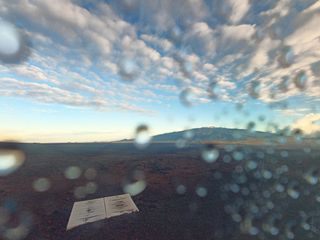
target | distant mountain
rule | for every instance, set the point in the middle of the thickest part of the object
(213, 134)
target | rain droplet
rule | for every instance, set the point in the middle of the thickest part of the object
(72, 172)
(286, 57)
(293, 191)
(188, 134)
(10, 160)
(210, 153)
(315, 67)
(128, 69)
(142, 136)
(134, 184)
(80, 192)
(254, 89)
(312, 176)
(181, 189)
(181, 143)
(13, 47)
(201, 191)
(91, 187)
(267, 174)
(251, 126)
(187, 97)
(300, 80)
(41, 184)
(279, 188)
(238, 156)
(284, 84)
(251, 165)
(298, 134)
(214, 90)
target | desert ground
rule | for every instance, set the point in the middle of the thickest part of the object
(266, 195)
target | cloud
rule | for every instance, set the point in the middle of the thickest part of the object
(79, 51)
(235, 9)
(308, 124)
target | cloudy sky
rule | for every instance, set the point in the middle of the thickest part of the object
(93, 70)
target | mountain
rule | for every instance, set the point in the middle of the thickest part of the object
(213, 134)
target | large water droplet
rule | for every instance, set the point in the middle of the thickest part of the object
(300, 80)
(214, 90)
(201, 191)
(10, 160)
(181, 189)
(128, 69)
(315, 67)
(312, 176)
(13, 47)
(294, 191)
(72, 172)
(285, 83)
(187, 97)
(210, 153)
(251, 126)
(134, 183)
(286, 56)
(91, 187)
(142, 136)
(9, 39)
(254, 89)
(41, 184)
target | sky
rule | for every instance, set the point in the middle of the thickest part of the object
(94, 70)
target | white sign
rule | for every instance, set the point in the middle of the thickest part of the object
(97, 209)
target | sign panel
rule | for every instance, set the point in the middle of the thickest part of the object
(97, 209)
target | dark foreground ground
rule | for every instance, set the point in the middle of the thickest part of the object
(272, 193)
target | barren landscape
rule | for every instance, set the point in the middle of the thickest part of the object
(165, 211)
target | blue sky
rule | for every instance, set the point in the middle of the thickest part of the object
(93, 70)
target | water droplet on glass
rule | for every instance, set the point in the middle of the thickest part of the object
(134, 183)
(142, 136)
(91, 187)
(41, 184)
(128, 69)
(279, 188)
(284, 84)
(188, 134)
(10, 160)
(9, 40)
(312, 176)
(294, 191)
(13, 47)
(300, 80)
(80, 192)
(298, 135)
(254, 89)
(201, 191)
(251, 165)
(251, 126)
(315, 67)
(267, 174)
(181, 189)
(181, 143)
(238, 156)
(286, 57)
(214, 90)
(210, 153)
(72, 172)
(187, 97)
